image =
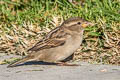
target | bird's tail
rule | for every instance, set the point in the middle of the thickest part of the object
(14, 64)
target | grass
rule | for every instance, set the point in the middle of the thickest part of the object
(23, 22)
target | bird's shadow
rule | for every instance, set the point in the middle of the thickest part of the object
(36, 63)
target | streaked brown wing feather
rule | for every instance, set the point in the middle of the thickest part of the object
(47, 44)
(53, 39)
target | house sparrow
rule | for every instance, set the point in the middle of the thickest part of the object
(58, 44)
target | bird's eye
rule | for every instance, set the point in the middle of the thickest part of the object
(79, 23)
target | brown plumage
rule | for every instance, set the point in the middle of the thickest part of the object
(58, 44)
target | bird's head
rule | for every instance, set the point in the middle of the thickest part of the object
(76, 24)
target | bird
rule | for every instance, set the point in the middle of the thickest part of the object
(59, 44)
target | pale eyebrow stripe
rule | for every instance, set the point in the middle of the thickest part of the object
(70, 24)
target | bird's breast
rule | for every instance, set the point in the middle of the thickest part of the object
(69, 48)
(73, 44)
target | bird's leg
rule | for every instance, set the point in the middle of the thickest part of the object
(66, 64)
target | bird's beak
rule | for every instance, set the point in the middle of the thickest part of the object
(87, 24)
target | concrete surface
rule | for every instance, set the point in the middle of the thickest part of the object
(38, 71)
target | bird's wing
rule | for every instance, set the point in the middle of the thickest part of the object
(47, 44)
(54, 38)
